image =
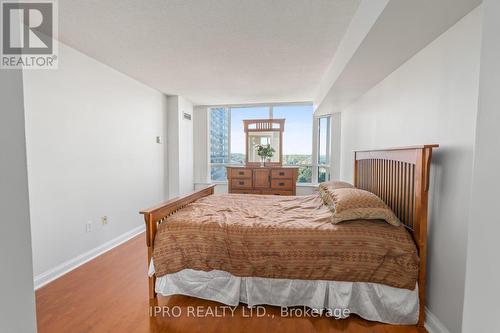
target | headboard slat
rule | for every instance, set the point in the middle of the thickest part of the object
(391, 174)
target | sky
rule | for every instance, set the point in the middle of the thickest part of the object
(297, 138)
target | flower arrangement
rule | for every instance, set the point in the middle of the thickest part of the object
(265, 152)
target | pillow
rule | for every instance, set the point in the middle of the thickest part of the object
(355, 204)
(335, 184)
(326, 187)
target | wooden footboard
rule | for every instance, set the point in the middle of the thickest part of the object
(156, 215)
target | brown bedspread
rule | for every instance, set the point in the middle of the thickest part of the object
(283, 237)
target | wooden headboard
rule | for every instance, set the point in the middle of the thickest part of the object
(400, 176)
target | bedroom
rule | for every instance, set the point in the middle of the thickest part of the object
(147, 103)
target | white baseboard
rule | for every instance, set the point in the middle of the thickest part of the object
(67, 266)
(433, 324)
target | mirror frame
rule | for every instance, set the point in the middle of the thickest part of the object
(264, 125)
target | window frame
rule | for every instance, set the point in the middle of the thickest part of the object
(315, 142)
(326, 165)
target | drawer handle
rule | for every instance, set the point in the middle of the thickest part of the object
(282, 173)
(241, 173)
(242, 183)
(281, 184)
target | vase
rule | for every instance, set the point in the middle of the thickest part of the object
(262, 160)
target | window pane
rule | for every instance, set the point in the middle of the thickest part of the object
(305, 174)
(323, 175)
(219, 135)
(237, 132)
(323, 138)
(218, 173)
(297, 137)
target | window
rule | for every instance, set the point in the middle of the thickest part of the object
(227, 139)
(219, 143)
(237, 133)
(297, 138)
(323, 157)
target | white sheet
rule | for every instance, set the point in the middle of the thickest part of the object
(370, 301)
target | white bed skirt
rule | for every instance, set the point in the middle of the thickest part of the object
(371, 301)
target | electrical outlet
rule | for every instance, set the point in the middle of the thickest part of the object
(88, 226)
(104, 220)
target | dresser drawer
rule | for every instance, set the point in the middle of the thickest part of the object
(241, 173)
(282, 184)
(241, 183)
(262, 180)
(282, 173)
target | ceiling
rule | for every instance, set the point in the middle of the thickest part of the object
(401, 30)
(213, 52)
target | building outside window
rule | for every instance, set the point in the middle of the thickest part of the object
(302, 133)
(219, 143)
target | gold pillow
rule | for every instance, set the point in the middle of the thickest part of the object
(326, 188)
(355, 204)
(335, 184)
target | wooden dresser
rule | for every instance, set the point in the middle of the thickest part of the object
(262, 180)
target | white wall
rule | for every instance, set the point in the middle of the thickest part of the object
(432, 98)
(17, 299)
(201, 142)
(482, 308)
(91, 152)
(180, 146)
(173, 121)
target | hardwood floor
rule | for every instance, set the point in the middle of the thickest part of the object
(110, 294)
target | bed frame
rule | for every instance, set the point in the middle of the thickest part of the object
(400, 176)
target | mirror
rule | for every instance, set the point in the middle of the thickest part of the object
(264, 132)
(271, 138)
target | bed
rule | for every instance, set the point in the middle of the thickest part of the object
(285, 252)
